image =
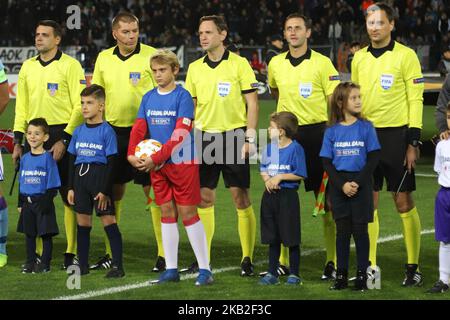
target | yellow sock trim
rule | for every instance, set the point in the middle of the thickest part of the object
(247, 231)
(70, 223)
(39, 246)
(284, 256)
(156, 220)
(329, 235)
(118, 208)
(207, 217)
(374, 231)
(411, 233)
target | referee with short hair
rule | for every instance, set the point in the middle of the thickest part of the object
(391, 81)
(49, 87)
(124, 71)
(302, 80)
(222, 84)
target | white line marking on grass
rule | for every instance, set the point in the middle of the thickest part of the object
(426, 175)
(112, 290)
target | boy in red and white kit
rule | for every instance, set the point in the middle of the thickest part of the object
(167, 112)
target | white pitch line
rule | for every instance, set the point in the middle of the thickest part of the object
(426, 175)
(112, 290)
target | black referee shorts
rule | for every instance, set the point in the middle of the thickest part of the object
(221, 153)
(87, 184)
(56, 133)
(394, 143)
(123, 171)
(310, 138)
(280, 218)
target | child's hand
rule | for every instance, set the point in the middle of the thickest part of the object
(71, 197)
(103, 201)
(135, 161)
(19, 209)
(349, 189)
(272, 184)
(147, 165)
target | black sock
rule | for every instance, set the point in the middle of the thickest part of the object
(83, 243)
(361, 236)
(274, 257)
(30, 242)
(343, 235)
(294, 260)
(115, 240)
(47, 245)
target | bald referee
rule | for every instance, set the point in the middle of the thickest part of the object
(124, 71)
(222, 84)
(49, 87)
(392, 85)
(302, 80)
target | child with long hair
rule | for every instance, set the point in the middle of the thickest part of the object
(350, 152)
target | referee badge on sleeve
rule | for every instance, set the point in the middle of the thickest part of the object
(223, 88)
(305, 89)
(135, 77)
(386, 81)
(52, 89)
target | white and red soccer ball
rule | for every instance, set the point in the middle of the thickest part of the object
(146, 148)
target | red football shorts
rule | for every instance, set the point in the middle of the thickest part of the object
(179, 182)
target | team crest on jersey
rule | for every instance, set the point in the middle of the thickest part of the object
(224, 88)
(135, 77)
(386, 81)
(305, 89)
(52, 89)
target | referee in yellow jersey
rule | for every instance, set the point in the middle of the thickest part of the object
(302, 80)
(49, 87)
(392, 84)
(222, 83)
(124, 71)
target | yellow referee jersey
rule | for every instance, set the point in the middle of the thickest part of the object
(304, 85)
(126, 80)
(219, 90)
(391, 86)
(50, 90)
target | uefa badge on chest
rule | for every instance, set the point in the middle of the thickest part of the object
(386, 81)
(52, 89)
(135, 77)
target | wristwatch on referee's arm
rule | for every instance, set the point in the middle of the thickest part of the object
(66, 139)
(414, 137)
(250, 140)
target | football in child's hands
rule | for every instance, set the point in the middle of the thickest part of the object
(146, 148)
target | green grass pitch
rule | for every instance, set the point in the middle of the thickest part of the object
(140, 248)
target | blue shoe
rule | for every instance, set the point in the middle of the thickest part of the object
(170, 275)
(204, 277)
(269, 279)
(293, 280)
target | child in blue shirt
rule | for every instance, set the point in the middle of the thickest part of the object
(38, 185)
(350, 153)
(92, 149)
(282, 168)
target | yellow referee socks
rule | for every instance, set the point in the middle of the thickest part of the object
(207, 218)
(284, 256)
(156, 220)
(374, 231)
(39, 246)
(329, 236)
(118, 208)
(411, 233)
(70, 223)
(247, 231)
